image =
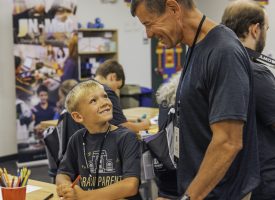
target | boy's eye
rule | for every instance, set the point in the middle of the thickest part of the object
(105, 96)
(92, 100)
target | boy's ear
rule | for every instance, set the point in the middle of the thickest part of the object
(77, 117)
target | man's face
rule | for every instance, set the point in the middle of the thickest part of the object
(43, 96)
(260, 43)
(95, 107)
(164, 27)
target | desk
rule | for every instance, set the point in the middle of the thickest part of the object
(132, 114)
(46, 124)
(46, 189)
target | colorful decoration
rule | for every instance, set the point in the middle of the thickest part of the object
(262, 2)
(169, 60)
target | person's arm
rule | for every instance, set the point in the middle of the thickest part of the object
(225, 144)
(273, 126)
(63, 181)
(122, 189)
(137, 126)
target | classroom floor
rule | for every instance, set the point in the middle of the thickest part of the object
(39, 173)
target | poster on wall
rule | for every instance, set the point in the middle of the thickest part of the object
(165, 62)
(44, 33)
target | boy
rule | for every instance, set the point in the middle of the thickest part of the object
(116, 174)
(111, 75)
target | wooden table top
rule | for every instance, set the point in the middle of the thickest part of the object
(132, 114)
(45, 191)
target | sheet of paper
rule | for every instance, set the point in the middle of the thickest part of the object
(32, 188)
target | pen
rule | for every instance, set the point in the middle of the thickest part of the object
(75, 181)
(48, 197)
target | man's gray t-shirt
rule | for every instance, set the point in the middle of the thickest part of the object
(215, 88)
(120, 158)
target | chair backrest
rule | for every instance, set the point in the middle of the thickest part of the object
(56, 139)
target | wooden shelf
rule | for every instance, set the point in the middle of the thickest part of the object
(96, 30)
(96, 53)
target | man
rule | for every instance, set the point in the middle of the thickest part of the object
(111, 75)
(249, 21)
(217, 139)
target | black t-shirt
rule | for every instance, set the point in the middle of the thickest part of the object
(215, 88)
(120, 158)
(264, 83)
(118, 116)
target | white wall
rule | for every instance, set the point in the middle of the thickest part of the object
(215, 13)
(133, 54)
(7, 83)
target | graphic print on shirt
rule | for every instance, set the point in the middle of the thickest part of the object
(105, 166)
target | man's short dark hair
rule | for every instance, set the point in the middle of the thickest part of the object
(42, 88)
(239, 16)
(158, 6)
(111, 66)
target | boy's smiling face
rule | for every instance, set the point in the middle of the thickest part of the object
(95, 107)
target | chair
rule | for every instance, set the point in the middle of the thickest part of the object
(56, 140)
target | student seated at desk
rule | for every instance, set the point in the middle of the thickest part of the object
(111, 75)
(115, 175)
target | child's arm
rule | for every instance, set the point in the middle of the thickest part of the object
(62, 181)
(122, 189)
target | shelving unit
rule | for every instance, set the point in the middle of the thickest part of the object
(94, 47)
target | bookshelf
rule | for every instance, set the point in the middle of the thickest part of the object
(94, 47)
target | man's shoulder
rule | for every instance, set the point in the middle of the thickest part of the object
(261, 70)
(222, 37)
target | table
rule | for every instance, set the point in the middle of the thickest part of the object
(132, 114)
(46, 189)
(48, 123)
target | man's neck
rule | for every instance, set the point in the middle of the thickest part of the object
(248, 43)
(190, 23)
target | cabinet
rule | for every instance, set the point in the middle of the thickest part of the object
(94, 47)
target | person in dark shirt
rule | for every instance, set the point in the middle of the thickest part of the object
(106, 156)
(43, 110)
(250, 22)
(70, 70)
(111, 75)
(216, 146)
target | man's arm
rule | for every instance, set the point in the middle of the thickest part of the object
(225, 144)
(137, 126)
(122, 189)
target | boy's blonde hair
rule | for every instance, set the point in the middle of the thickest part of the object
(78, 92)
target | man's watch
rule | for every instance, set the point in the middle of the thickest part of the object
(185, 197)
